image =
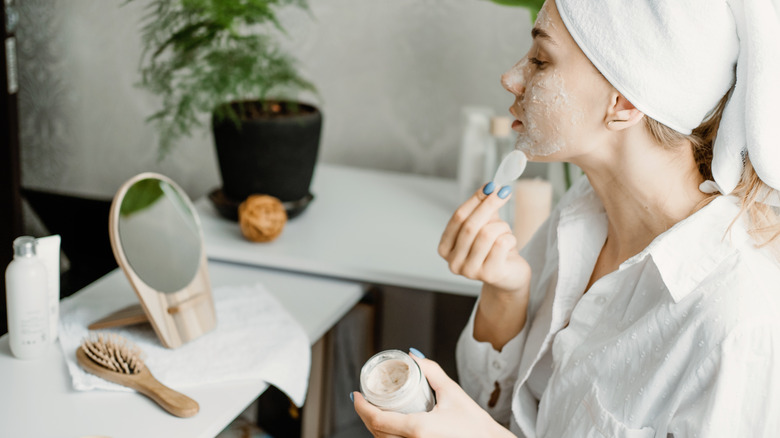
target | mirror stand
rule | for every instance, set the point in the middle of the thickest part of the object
(157, 241)
(191, 313)
(130, 315)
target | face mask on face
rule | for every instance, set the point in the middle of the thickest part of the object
(547, 103)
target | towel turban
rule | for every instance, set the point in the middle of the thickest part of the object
(675, 59)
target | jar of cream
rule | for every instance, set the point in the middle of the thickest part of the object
(392, 381)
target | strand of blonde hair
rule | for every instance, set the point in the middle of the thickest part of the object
(763, 220)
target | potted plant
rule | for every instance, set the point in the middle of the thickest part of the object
(533, 6)
(220, 58)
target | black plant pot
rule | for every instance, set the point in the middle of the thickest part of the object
(268, 155)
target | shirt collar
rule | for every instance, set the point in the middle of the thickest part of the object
(684, 254)
(689, 251)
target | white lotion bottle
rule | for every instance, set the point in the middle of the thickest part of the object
(473, 150)
(48, 251)
(27, 299)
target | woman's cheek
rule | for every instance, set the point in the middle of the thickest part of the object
(550, 114)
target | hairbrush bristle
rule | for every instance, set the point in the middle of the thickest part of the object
(113, 352)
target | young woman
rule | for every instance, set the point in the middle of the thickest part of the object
(648, 305)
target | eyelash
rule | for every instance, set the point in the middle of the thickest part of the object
(536, 62)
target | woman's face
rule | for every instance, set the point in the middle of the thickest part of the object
(560, 97)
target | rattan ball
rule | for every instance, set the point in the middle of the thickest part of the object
(262, 218)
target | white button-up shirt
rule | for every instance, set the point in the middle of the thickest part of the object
(683, 339)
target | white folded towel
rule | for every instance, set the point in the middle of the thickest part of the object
(255, 338)
(675, 59)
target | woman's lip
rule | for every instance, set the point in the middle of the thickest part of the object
(516, 125)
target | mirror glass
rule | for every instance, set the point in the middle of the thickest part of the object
(159, 235)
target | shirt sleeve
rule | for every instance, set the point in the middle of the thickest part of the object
(486, 374)
(740, 395)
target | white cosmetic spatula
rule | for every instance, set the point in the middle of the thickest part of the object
(511, 167)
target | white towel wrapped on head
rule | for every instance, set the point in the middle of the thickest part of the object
(675, 59)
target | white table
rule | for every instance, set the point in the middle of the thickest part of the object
(366, 225)
(38, 401)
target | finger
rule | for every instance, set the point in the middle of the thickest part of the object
(379, 422)
(387, 435)
(496, 258)
(481, 215)
(483, 243)
(459, 216)
(437, 378)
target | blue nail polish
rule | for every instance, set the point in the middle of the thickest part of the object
(352, 397)
(504, 192)
(416, 352)
(489, 187)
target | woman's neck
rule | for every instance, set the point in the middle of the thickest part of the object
(645, 189)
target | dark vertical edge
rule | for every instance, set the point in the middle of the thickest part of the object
(10, 199)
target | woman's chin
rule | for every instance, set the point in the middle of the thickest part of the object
(540, 154)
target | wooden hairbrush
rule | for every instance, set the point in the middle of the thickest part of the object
(117, 360)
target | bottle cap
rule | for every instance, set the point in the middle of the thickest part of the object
(500, 126)
(24, 246)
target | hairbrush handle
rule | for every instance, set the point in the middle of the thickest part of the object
(144, 382)
(172, 401)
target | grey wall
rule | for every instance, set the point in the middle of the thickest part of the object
(392, 76)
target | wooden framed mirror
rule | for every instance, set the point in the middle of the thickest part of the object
(157, 241)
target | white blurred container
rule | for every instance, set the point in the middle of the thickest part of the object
(27, 298)
(475, 151)
(502, 143)
(48, 251)
(531, 207)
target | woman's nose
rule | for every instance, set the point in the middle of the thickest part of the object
(513, 82)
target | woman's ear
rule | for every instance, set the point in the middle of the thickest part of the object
(622, 114)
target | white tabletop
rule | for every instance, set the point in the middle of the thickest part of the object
(38, 401)
(365, 225)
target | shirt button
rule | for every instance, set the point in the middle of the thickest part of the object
(496, 364)
(601, 300)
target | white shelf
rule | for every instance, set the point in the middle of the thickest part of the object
(365, 225)
(38, 400)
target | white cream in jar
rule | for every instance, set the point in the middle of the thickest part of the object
(392, 381)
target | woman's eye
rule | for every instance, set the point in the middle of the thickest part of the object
(536, 62)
